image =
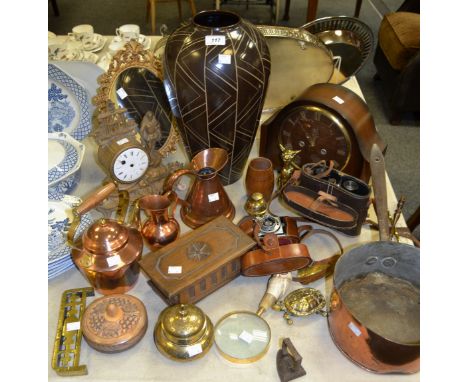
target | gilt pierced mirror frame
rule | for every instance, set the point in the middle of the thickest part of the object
(132, 56)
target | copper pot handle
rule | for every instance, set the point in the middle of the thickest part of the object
(135, 220)
(169, 183)
(172, 196)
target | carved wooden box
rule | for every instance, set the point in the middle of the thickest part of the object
(198, 263)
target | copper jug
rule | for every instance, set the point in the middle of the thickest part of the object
(109, 253)
(160, 228)
(207, 198)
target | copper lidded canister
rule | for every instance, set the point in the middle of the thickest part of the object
(109, 256)
(114, 323)
(183, 332)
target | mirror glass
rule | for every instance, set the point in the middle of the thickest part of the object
(139, 90)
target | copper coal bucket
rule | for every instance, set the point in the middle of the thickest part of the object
(374, 306)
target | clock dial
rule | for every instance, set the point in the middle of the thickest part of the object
(318, 134)
(130, 165)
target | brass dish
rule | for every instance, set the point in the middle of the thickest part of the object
(298, 60)
(183, 332)
(348, 38)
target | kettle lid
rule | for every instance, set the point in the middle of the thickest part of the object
(105, 235)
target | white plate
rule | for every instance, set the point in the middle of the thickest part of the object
(68, 105)
(65, 157)
(96, 44)
(60, 216)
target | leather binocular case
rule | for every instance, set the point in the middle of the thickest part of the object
(328, 197)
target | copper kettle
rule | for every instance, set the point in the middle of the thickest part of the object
(109, 252)
(207, 198)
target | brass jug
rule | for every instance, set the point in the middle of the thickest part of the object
(161, 227)
(207, 198)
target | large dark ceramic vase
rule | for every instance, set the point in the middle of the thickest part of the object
(216, 103)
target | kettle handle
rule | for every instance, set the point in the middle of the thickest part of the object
(86, 205)
(169, 183)
(96, 198)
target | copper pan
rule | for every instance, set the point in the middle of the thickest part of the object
(374, 306)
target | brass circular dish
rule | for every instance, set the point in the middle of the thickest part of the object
(114, 323)
(347, 37)
(183, 332)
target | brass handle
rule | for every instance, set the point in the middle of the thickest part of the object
(136, 221)
(96, 198)
(169, 183)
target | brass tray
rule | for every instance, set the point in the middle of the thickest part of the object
(298, 60)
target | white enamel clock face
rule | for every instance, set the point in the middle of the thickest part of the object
(131, 165)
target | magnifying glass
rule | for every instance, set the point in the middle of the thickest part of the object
(242, 337)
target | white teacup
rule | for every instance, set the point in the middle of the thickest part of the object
(83, 32)
(128, 32)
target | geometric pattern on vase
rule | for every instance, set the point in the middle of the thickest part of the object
(216, 104)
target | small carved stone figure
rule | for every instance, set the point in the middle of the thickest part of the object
(287, 156)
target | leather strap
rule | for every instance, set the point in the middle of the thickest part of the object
(320, 268)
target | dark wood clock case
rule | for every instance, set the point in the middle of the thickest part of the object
(352, 111)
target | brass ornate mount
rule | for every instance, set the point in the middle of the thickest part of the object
(67, 344)
(198, 250)
(132, 55)
(302, 302)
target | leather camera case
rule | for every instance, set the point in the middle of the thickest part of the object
(348, 197)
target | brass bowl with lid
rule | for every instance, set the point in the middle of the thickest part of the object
(109, 256)
(183, 332)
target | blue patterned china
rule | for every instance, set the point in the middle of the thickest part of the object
(64, 187)
(65, 157)
(60, 217)
(69, 106)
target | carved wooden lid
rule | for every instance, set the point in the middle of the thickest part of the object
(114, 323)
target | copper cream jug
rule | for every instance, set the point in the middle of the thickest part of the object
(109, 253)
(160, 228)
(207, 198)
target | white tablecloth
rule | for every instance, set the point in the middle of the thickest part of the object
(321, 358)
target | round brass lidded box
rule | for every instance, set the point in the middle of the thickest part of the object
(114, 323)
(183, 332)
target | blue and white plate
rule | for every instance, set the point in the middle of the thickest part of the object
(64, 187)
(65, 157)
(69, 109)
(60, 216)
